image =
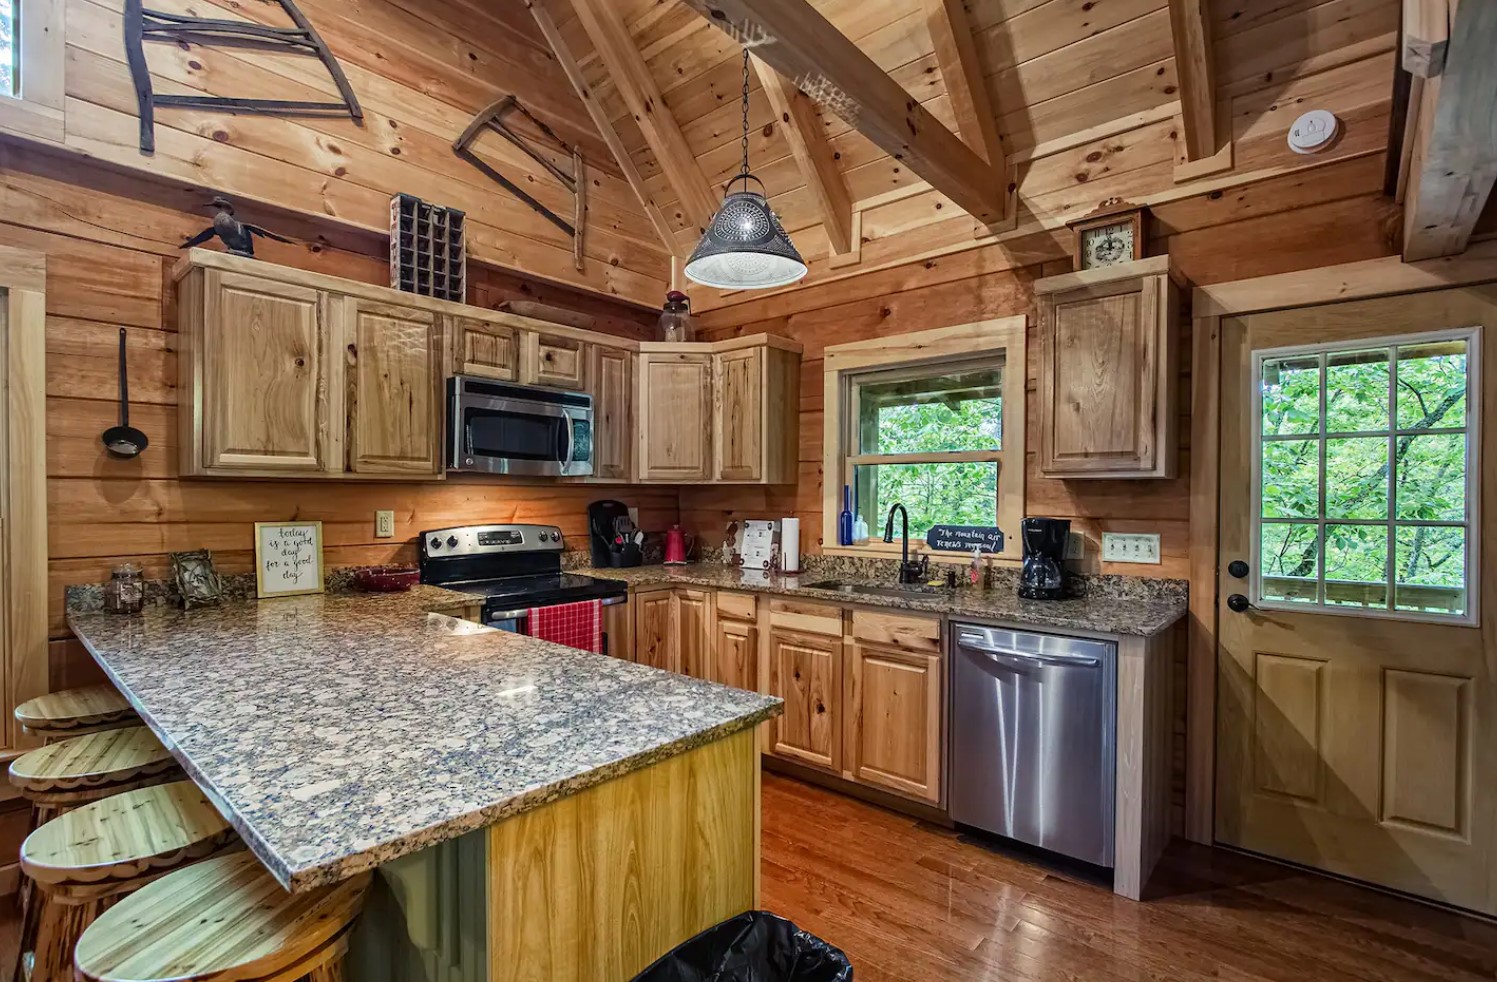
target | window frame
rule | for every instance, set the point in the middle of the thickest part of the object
(1471, 617)
(959, 345)
(38, 112)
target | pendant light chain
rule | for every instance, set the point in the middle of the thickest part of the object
(745, 169)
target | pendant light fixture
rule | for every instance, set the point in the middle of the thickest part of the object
(745, 247)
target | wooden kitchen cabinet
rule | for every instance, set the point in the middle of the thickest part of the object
(805, 670)
(735, 654)
(654, 629)
(554, 360)
(613, 415)
(894, 717)
(393, 396)
(693, 616)
(484, 349)
(737, 420)
(675, 413)
(618, 631)
(1108, 371)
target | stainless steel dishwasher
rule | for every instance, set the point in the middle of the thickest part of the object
(1033, 728)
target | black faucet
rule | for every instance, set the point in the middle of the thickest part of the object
(908, 572)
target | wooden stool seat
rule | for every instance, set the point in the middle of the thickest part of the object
(73, 711)
(222, 919)
(94, 760)
(125, 837)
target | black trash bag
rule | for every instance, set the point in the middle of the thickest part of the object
(756, 946)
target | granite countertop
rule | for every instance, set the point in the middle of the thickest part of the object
(1112, 605)
(339, 732)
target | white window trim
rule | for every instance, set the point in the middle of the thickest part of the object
(38, 113)
(1472, 337)
(962, 342)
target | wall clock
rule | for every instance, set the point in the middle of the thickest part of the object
(1108, 237)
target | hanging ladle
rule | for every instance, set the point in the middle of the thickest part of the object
(124, 440)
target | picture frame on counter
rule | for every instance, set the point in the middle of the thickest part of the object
(288, 559)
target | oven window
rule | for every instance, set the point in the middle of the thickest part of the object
(515, 436)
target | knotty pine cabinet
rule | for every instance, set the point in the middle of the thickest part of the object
(895, 704)
(672, 629)
(1108, 376)
(394, 388)
(612, 387)
(805, 670)
(675, 415)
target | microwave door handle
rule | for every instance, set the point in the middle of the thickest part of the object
(467, 439)
(566, 430)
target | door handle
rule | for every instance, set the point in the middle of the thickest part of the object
(1240, 604)
(1237, 568)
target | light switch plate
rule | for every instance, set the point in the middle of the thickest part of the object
(1130, 547)
(384, 524)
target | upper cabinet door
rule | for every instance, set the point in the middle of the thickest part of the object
(394, 402)
(613, 426)
(485, 349)
(675, 408)
(740, 414)
(556, 361)
(1107, 367)
(264, 376)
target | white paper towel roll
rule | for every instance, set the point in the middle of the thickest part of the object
(790, 545)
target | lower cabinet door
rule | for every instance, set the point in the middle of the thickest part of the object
(654, 635)
(894, 720)
(618, 632)
(736, 654)
(806, 672)
(693, 609)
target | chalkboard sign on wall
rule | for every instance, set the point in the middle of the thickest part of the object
(965, 538)
(288, 558)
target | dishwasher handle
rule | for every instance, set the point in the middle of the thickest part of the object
(974, 642)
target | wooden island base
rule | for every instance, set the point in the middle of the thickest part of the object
(589, 888)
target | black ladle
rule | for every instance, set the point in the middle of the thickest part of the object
(124, 440)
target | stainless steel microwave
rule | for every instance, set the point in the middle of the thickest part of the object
(501, 428)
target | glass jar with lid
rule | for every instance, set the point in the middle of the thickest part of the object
(676, 323)
(125, 593)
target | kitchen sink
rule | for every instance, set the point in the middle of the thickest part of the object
(875, 589)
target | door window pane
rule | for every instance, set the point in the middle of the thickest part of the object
(964, 493)
(955, 411)
(1327, 533)
(10, 52)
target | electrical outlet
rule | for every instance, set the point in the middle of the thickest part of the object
(1075, 547)
(384, 525)
(634, 515)
(1130, 547)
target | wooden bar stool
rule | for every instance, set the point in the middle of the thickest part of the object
(73, 772)
(75, 711)
(85, 861)
(225, 918)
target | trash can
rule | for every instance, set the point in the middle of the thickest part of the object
(756, 946)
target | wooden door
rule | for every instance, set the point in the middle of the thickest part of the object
(1107, 378)
(556, 361)
(1357, 711)
(654, 630)
(735, 653)
(675, 416)
(613, 421)
(806, 671)
(693, 619)
(739, 414)
(484, 349)
(894, 720)
(394, 389)
(266, 397)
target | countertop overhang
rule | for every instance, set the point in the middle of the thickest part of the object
(340, 732)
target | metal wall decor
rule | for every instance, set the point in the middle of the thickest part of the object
(492, 118)
(143, 25)
(428, 249)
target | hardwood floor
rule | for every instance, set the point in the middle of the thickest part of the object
(911, 901)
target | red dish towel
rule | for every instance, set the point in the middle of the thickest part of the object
(578, 625)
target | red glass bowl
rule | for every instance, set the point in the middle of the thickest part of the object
(386, 579)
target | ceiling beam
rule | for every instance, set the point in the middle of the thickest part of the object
(794, 38)
(600, 119)
(813, 155)
(961, 69)
(631, 76)
(1454, 163)
(1190, 29)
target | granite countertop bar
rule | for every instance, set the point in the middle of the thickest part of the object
(1111, 606)
(339, 732)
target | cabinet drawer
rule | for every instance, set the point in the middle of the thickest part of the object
(897, 630)
(813, 618)
(744, 606)
(557, 361)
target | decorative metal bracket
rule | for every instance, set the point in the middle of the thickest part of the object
(143, 25)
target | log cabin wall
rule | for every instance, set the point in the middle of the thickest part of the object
(110, 241)
(1333, 214)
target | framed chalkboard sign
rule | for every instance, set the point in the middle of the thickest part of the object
(965, 538)
(288, 558)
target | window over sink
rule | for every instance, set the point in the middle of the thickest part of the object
(933, 420)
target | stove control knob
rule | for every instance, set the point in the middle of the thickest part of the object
(555, 536)
(436, 543)
(451, 541)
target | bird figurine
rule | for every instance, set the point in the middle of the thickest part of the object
(237, 236)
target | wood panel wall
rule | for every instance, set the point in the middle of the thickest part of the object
(1332, 214)
(420, 70)
(110, 241)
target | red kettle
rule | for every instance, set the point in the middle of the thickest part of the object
(677, 545)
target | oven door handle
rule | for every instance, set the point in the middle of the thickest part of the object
(506, 615)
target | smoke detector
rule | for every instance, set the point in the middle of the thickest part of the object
(1313, 131)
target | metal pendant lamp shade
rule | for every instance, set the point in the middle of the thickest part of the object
(745, 246)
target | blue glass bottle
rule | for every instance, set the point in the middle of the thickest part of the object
(844, 520)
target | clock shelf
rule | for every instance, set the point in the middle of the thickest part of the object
(1109, 366)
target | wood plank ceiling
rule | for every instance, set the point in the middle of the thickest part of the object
(1084, 96)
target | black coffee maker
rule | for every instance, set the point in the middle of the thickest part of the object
(1042, 576)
